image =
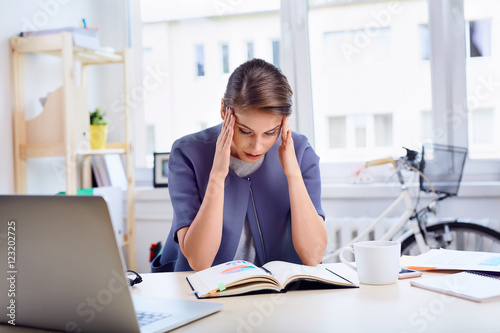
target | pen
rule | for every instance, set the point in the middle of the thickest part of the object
(268, 271)
(84, 23)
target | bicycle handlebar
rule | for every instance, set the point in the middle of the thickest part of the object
(380, 161)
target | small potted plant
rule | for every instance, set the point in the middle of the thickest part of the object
(98, 129)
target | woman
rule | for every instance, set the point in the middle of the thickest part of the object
(238, 190)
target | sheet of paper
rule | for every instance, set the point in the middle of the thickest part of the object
(456, 260)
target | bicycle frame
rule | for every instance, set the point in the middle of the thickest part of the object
(389, 234)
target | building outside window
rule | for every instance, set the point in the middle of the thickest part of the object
(195, 50)
(369, 65)
(365, 59)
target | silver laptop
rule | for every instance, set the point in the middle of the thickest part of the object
(65, 272)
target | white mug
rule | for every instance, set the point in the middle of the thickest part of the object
(377, 262)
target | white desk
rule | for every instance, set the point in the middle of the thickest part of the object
(393, 308)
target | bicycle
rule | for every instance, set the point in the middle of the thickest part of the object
(440, 169)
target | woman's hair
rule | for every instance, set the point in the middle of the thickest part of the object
(257, 84)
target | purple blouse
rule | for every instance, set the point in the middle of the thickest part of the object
(262, 197)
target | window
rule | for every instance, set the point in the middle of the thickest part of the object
(225, 58)
(426, 125)
(360, 131)
(383, 130)
(482, 80)
(193, 51)
(337, 132)
(423, 35)
(364, 60)
(276, 53)
(250, 50)
(356, 47)
(150, 142)
(482, 127)
(483, 139)
(368, 69)
(479, 38)
(200, 60)
(359, 124)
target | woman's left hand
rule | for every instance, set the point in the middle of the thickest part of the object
(288, 159)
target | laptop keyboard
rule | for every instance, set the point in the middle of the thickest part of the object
(146, 318)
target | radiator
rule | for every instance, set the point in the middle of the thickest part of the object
(341, 230)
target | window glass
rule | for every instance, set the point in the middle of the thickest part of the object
(383, 130)
(359, 123)
(367, 58)
(250, 50)
(276, 53)
(426, 124)
(479, 38)
(481, 127)
(337, 132)
(200, 60)
(193, 46)
(367, 68)
(424, 43)
(344, 47)
(225, 58)
(483, 78)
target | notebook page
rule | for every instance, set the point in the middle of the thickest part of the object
(456, 260)
(468, 285)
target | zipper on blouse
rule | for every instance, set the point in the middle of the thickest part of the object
(258, 224)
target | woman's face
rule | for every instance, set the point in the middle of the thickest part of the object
(255, 132)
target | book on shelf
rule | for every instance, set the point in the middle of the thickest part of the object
(116, 171)
(100, 171)
(443, 259)
(86, 38)
(109, 170)
(477, 286)
(240, 277)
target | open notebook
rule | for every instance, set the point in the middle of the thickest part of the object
(240, 277)
(471, 285)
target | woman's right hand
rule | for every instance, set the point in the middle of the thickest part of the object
(220, 167)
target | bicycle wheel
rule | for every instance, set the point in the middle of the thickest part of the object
(456, 236)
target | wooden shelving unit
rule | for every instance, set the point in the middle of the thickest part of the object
(62, 129)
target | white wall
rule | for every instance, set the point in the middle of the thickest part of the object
(43, 74)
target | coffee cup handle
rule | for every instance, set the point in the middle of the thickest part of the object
(347, 248)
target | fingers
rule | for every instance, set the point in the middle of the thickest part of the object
(285, 131)
(230, 128)
(285, 125)
(226, 134)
